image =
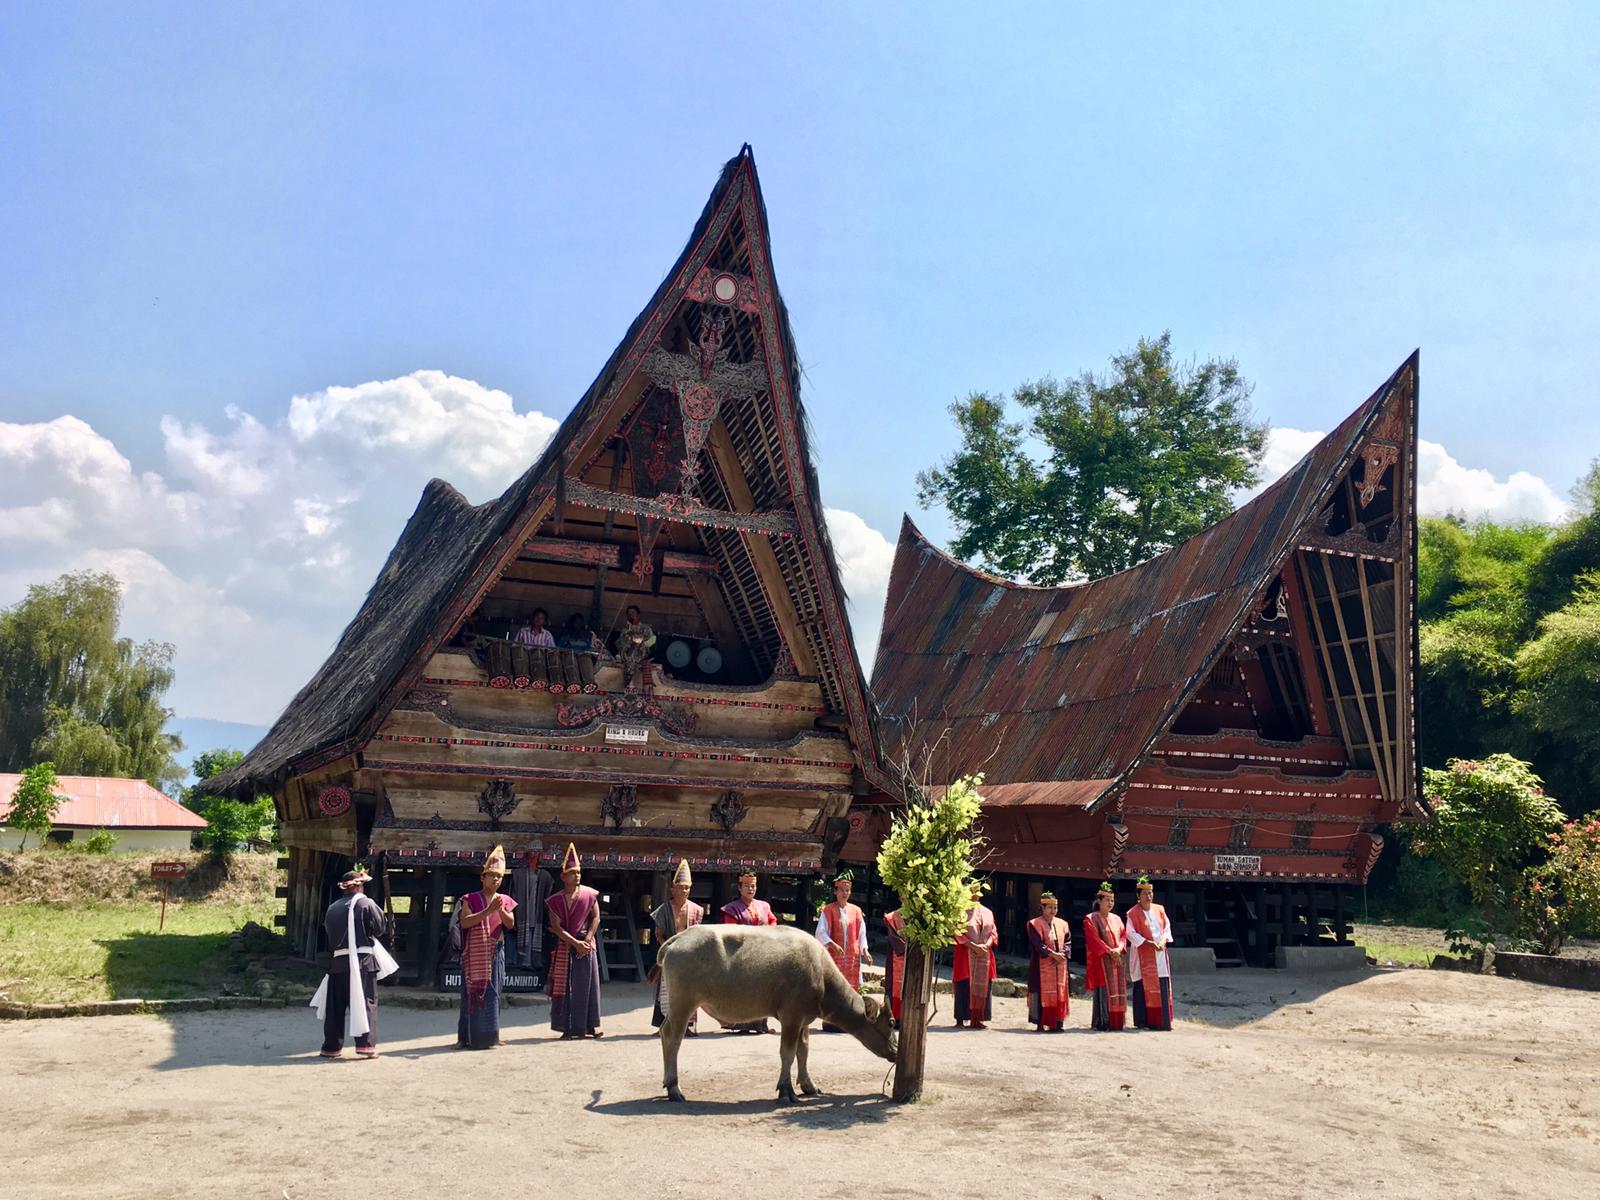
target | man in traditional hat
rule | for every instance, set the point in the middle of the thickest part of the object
(484, 916)
(1105, 950)
(349, 993)
(1149, 972)
(842, 928)
(747, 910)
(894, 969)
(1049, 946)
(973, 968)
(574, 914)
(676, 915)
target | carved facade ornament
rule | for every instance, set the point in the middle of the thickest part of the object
(1178, 831)
(702, 380)
(728, 810)
(1244, 828)
(425, 699)
(784, 667)
(1300, 839)
(675, 718)
(727, 289)
(619, 806)
(497, 801)
(1119, 840)
(1377, 458)
(333, 801)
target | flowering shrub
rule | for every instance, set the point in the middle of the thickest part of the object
(1562, 897)
(927, 858)
(1491, 823)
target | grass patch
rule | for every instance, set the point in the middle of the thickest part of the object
(53, 953)
(1404, 956)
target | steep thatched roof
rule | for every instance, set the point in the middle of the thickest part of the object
(450, 552)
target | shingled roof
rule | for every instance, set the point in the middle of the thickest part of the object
(1041, 687)
(451, 552)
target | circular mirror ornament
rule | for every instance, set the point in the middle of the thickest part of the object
(725, 288)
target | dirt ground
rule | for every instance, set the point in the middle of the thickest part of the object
(1411, 1082)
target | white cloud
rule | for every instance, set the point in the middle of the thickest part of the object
(865, 557)
(1444, 485)
(253, 546)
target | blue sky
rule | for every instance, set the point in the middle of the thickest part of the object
(206, 211)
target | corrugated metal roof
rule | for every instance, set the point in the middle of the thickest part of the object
(92, 802)
(1052, 684)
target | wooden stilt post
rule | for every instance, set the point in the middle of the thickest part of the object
(915, 995)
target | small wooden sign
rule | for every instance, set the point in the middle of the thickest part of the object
(168, 870)
(632, 734)
(1248, 863)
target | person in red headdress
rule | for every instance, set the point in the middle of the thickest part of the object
(574, 914)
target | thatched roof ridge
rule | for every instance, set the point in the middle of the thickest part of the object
(450, 549)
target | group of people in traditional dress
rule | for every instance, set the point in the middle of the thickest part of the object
(1111, 968)
(1126, 956)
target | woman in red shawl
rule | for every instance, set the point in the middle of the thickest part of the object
(1105, 950)
(1049, 945)
(974, 966)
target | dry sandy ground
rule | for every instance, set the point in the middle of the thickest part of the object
(1411, 1082)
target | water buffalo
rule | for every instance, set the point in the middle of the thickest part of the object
(740, 973)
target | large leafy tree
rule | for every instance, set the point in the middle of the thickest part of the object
(1104, 472)
(229, 823)
(74, 692)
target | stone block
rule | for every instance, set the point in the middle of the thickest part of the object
(1582, 973)
(1322, 958)
(1191, 960)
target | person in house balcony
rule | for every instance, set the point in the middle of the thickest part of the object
(1049, 945)
(676, 915)
(894, 967)
(577, 636)
(574, 914)
(347, 1001)
(534, 633)
(1149, 971)
(485, 915)
(973, 969)
(747, 910)
(1105, 950)
(842, 929)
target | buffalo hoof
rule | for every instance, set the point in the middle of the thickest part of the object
(811, 1089)
(786, 1096)
(674, 1094)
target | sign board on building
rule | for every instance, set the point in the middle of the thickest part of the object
(1247, 863)
(633, 734)
(516, 980)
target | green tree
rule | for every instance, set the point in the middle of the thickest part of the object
(229, 823)
(927, 859)
(35, 802)
(1559, 674)
(72, 691)
(1491, 822)
(1133, 462)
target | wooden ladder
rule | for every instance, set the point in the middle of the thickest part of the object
(619, 934)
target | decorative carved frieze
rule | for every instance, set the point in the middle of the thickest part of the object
(684, 509)
(1377, 458)
(627, 706)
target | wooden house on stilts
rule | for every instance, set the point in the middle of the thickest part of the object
(681, 484)
(1233, 718)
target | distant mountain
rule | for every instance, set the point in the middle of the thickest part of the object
(200, 734)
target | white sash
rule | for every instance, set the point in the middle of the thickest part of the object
(355, 1013)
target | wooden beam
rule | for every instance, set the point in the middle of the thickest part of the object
(766, 562)
(1324, 653)
(773, 523)
(1355, 676)
(608, 555)
(1377, 684)
(1299, 605)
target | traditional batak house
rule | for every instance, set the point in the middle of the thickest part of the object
(1233, 718)
(729, 725)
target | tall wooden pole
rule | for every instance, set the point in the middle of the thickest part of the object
(914, 998)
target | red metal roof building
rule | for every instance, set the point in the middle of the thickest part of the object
(1233, 717)
(141, 817)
